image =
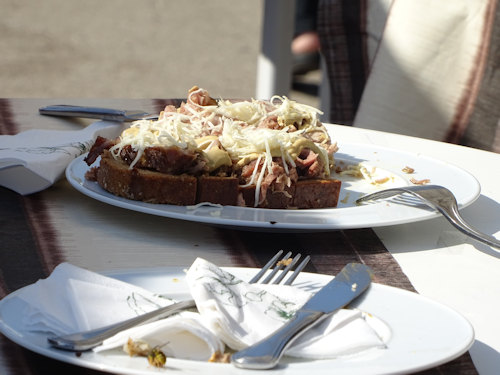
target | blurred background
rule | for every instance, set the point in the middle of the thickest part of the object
(133, 49)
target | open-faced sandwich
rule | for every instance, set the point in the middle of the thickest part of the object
(269, 154)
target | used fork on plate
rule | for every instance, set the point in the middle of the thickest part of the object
(82, 341)
(441, 199)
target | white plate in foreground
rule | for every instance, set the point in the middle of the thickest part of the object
(384, 161)
(423, 333)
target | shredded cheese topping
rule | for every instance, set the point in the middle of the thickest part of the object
(246, 131)
(172, 130)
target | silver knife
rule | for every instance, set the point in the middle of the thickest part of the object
(96, 112)
(350, 283)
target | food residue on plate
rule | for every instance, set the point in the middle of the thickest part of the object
(372, 174)
(346, 198)
(408, 170)
(375, 176)
(219, 357)
(420, 182)
(157, 358)
(141, 348)
(284, 262)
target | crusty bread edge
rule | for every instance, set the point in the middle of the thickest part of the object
(154, 187)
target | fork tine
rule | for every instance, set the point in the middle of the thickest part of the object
(298, 270)
(379, 195)
(280, 266)
(287, 268)
(277, 268)
(266, 267)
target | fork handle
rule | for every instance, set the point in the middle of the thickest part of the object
(457, 220)
(82, 341)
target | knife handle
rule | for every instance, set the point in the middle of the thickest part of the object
(86, 112)
(266, 353)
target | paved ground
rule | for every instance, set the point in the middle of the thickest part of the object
(130, 48)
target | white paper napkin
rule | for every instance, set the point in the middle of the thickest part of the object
(73, 299)
(231, 312)
(242, 314)
(181, 336)
(33, 160)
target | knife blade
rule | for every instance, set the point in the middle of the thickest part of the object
(96, 113)
(349, 284)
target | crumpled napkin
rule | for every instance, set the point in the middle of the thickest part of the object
(242, 314)
(33, 160)
(183, 335)
(73, 299)
(231, 312)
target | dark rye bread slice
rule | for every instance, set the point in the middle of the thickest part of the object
(273, 199)
(219, 190)
(313, 193)
(150, 186)
(316, 193)
(145, 185)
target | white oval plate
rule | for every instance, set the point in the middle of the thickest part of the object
(387, 162)
(423, 333)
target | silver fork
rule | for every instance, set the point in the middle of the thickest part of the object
(81, 341)
(441, 199)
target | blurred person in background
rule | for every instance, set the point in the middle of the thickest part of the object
(305, 43)
(423, 68)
